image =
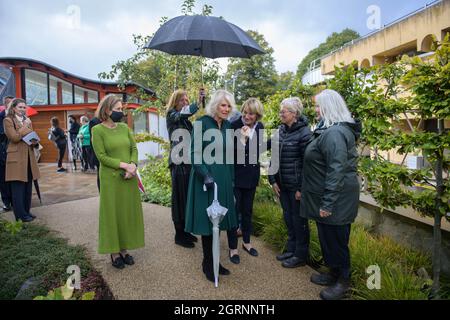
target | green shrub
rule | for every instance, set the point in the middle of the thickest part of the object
(397, 263)
(157, 181)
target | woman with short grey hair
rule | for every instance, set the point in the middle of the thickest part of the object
(331, 189)
(294, 134)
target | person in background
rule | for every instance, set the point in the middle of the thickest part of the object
(85, 139)
(60, 140)
(331, 189)
(246, 174)
(74, 128)
(178, 113)
(5, 187)
(21, 165)
(208, 172)
(121, 220)
(294, 135)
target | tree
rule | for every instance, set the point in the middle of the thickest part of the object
(383, 95)
(254, 77)
(163, 72)
(333, 42)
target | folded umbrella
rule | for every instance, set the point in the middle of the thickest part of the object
(216, 213)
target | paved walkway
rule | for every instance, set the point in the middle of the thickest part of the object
(164, 270)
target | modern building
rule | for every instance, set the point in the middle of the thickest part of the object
(54, 92)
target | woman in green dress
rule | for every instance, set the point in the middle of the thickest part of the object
(209, 165)
(121, 223)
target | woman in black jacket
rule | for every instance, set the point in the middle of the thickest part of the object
(246, 172)
(178, 113)
(293, 134)
(331, 189)
(60, 141)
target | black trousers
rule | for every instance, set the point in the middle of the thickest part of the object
(298, 228)
(21, 195)
(334, 244)
(244, 205)
(62, 150)
(88, 157)
(5, 187)
(180, 184)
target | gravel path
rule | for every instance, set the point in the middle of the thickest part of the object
(164, 270)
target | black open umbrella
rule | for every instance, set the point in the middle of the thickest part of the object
(204, 36)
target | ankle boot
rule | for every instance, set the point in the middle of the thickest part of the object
(180, 239)
(338, 291)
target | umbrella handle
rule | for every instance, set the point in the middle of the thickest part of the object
(215, 190)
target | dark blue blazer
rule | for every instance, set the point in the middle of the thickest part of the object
(247, 175)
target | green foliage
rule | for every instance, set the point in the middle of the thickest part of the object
(296, 89)
(165, 73)
(333, 42)
(157, 181)
(12, 227)
(398, 264)
(255, 77)
(65, 293)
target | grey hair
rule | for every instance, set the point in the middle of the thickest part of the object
(216, 99)
(294, 105)
(333, 108)
(84, 119)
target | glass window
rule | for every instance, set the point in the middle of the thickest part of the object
(36, 89)
(67, 95)
(140, 120)
(5, 75)
(79, 95)
(92, 96)
(53, 90)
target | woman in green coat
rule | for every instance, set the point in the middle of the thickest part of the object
(209, 166)
(121, 225)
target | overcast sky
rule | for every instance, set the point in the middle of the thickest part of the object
(48, 30)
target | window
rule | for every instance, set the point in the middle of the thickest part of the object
(140, 120)
(67, 95)
(53, 90)
(5, 75)
(79, 95)
(36, 87)
(92, 96)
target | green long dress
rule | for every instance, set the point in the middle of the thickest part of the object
(197, 221)
(121, 223)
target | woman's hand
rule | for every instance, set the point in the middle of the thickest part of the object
(324, 213)
(298, 195)
(276, 189)
(27, 122)
(129, 168)
(128, 176)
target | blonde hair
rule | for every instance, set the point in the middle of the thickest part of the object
(333, 108)
(105, 106)
(253, 105)
(293, 105)
(216, 100)
(12, 105)
(175, 98)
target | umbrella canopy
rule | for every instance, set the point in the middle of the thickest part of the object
(216, 213)
(204, 36)
(31, 112)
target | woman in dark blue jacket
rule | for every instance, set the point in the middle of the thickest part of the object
(293, 134)
(247, 172)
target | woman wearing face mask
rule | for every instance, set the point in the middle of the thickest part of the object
(178, 113)
(121, 225)
(21, 165)
(209, 167)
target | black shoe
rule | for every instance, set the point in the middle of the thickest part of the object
(118, 262)
(285, 256)
(251, 252)
(27, 219)
(6, 208)
(338, 291)
(190, 237)
(32, 215)
(61, 170)
(223, 271)
(293, 262)
(234, 259)
(128, 259)
(208, 271)
(324, 279)
(182, 241)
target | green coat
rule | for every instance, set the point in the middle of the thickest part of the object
(197, 220)
(330, 175)
(84, 135)
(121, 223)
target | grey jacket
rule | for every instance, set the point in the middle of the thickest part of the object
(330, 175)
